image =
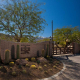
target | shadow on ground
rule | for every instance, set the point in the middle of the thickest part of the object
(72, 71)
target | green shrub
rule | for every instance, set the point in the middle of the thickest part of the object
(6, 56)
(17, 53)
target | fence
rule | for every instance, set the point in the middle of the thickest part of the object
(33, 49)
(72, 48)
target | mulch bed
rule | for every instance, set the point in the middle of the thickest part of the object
(51, 68)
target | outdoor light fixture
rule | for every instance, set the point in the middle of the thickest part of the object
(50, 38)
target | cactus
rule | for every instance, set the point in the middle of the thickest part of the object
(17, 53)
(11, 63)
(40, 68)
(27, 59)
(14, 73)
(43, 52)
(33, 59)
(24, 71)
(7, 56)
(33, 66)
(47, 50)
(38, 53)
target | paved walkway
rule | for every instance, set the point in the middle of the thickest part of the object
(72, 71)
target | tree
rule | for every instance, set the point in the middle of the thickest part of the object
(6, 37)
(61, 35)
(21, 17)
(42, 40)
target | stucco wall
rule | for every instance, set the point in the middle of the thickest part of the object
(76, 48)
(34, 47)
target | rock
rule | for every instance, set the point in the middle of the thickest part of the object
(21, 61)
(17, 61)
(42, 59)
(3, 69)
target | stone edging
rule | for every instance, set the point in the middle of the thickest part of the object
(52, 77)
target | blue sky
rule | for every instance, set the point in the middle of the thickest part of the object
(62, 12)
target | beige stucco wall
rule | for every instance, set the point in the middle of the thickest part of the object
(76, 48)
(34, 47)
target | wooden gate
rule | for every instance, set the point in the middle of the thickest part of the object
(63, 50)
